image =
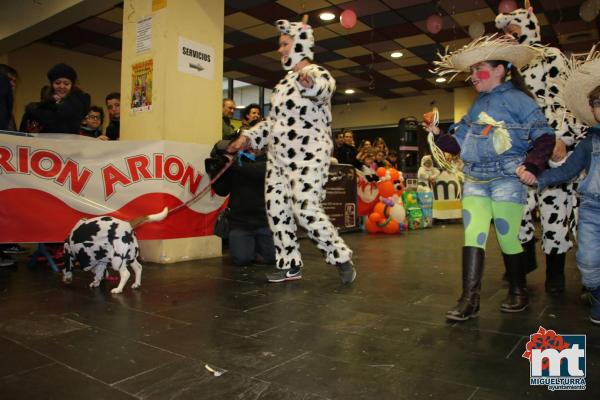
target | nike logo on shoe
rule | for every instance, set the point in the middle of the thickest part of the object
(289, 274)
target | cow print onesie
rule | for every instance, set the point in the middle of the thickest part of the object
(556, 203)
(297, 133)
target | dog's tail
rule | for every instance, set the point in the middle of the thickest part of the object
(149, 218)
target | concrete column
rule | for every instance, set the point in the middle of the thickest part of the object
(185, 108)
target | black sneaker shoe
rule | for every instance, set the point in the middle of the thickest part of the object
(15, 249)
(282, 275)
(347, 272)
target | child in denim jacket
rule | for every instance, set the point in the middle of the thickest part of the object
(581, 77)
(503, 138)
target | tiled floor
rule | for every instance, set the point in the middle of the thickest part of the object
(382, 338)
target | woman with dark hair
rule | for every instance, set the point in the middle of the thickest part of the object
(63, 106)
(504, 141)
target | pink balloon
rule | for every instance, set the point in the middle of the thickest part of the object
(434, 23)
(348, 19)
(507, 6)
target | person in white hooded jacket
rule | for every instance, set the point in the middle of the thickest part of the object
(297, 132)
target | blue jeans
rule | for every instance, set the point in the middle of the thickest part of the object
(499, 189)
(245, 244)
(588, 256)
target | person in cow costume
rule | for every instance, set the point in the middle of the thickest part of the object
(297, 133)
(555, 203)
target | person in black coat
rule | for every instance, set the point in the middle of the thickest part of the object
(63, 106)
(244, 182)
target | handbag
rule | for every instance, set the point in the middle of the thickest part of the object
(222, 224)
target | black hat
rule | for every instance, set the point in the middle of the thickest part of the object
(62, 71)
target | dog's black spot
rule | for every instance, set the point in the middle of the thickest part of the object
(83, 258)
(127, 237)
(101, 253)
(86, 232)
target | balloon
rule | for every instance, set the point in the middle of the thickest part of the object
(398, 213)
(375, 217)
(371, 227)
(394, 174)
(588, 11)
(434, 23)
(380, 172)
(507, 6)
(348, 19)
(476, 29)
(392, 227)
(386, 189)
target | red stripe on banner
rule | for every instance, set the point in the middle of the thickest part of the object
(32, 216)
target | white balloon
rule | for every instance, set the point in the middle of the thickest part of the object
(588, 10)
(476, 29)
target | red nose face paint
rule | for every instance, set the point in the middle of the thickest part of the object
(482, 75)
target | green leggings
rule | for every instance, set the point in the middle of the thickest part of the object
(478, 212)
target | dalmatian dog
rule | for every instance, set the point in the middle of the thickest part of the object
(556, 204)
(96, 243)
(297, 133)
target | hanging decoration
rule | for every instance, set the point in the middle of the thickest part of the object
(476, 29)
(507, 6)
(348, 19)
(588, 11)
(434, 24)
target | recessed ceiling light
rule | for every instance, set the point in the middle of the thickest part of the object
(327, 16)
(440, 80)
(396, 54)
(240, 106)
(349, 91)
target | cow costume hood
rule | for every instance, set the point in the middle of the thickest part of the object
(526, 20)
(303, 42)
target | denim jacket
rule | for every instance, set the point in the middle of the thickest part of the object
(500, 128)
(585, 157)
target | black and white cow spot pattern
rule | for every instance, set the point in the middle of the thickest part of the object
(555, 204)
(102, 242)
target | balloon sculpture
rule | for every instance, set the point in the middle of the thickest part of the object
(388, 214)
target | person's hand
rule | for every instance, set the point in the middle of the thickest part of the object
(241, 143)
(103, 137)
(57, 98)
(305, 80)
(525, 176)
(431, 128)
(559, 152)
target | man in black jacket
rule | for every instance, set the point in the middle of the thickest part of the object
(244, 182)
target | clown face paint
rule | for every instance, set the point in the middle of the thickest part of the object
(482, 75)
(485, 77)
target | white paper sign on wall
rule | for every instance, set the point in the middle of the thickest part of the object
(196, 59)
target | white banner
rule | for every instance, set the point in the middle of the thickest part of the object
(49, 182)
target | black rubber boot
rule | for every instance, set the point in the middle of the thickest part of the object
(555, 273)
(472, 272)
(517, 299)
(529, 255)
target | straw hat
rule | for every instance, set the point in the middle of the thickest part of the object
(486, 48)
(579, 79)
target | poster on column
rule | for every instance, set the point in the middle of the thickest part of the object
(49, 182)
(141, 86)
(196, 59)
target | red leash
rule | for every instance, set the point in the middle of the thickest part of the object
(205, 189)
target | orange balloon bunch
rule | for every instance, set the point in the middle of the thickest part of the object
(389, 212)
